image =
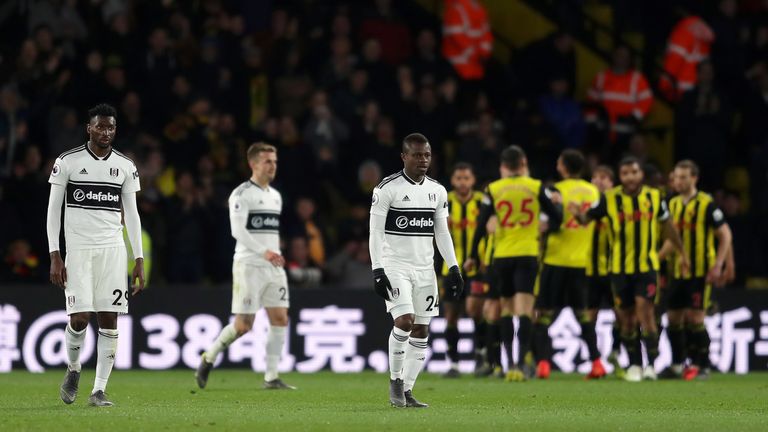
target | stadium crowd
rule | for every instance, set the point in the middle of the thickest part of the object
(335, 86)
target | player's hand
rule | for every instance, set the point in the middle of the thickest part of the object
(469, 264)
(685, 265)
(454, 283)
(138, 273)
(58, 270)
(555, 197)
(276, 259)
(729, 274)
(490, 226)
(381, 284)
(574, 208)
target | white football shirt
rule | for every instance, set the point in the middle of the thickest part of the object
(410, 209)
(259, 210)
(93, 200)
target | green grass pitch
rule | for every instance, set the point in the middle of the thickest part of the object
(234, 400)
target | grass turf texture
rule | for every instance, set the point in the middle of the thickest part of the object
(234, 400)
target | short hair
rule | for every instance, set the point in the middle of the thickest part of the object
(260, 147)
(414, 138)
(630, 160)
(605, 170)
(103, 110)
(512, 157)
(689, 165)
(573, 160)
(460, 166)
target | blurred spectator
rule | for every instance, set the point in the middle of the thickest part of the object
(20, 264)
(623, 96)
(66, 132)
(729, 47)
(309, 229)
(688, 45)
(302, 271)
(704, 119)
(186, 235)
(13, 128)
(29, 180)
(482, 147)
(427, 64)
(467, 38)
(563, 113)
(293, 86)
(350, 267)
(545, 59)
(324, 133)
(382, 24)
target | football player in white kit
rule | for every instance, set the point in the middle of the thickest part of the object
(96, 183)
(408, 211)
(258, 277)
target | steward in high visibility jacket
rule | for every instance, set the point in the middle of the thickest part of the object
(467, 38)
(689, 44)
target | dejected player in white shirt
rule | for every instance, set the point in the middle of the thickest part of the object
(96, 184)
(408, 211)
(258, 277)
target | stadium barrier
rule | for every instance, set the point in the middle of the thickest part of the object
(341, 330)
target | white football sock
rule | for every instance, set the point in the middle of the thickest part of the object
(74, 342)
(415, 353)
(107, 348)
(398, 339)
(226, 337)
(275, 342)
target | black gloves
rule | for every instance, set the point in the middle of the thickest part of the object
(381, 284)
(454, 284)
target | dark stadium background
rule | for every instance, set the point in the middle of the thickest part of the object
(335, 85)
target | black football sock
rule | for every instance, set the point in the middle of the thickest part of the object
(701, 342)
(651, 340)
(631, 343)
(542, 343)
(507, 337)
(493, 343)
(452, 338)
(676, 336)
(524, 338)
(589, 335)
(480, 331)
(616, 333)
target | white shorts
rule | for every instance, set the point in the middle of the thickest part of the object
(414, 292)
(257, 286)
(97, 280)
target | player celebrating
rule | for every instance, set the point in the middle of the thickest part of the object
(634, 211)
(598, 268)
(96, 183)
(517, 200)
(562, 281)
(258, 277)
(700, 222)
(408, 210)
(464, 207)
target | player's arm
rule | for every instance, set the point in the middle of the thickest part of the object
(666, 250)
(133, 226)
(238, 219)
(670, 234)
(724, 237)
(58, 274)
(376, 239)
(598, 211)
(454, 282)
(486, 211)
(549, 200)
(729, 274)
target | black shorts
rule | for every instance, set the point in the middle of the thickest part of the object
(599, 294)
(492, 291)
(516, 275)
(627, 287)
(689, 294)
(559, 287)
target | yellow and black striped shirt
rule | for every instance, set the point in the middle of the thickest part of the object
(633, 224)
(696, 221)
(462, 222)
(600, 249)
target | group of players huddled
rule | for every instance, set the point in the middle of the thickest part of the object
(528, 250)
